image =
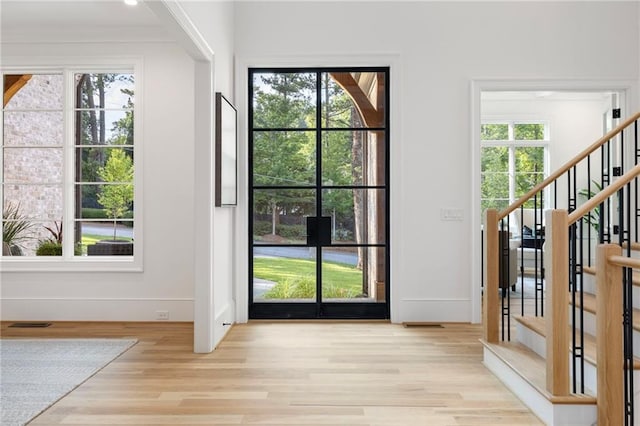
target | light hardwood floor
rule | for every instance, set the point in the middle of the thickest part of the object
(288, 373)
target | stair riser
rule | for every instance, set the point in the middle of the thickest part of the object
(538, 344)
(591, 386)
(531, 339)
(553, 415)
(589, 285)
(590, 328)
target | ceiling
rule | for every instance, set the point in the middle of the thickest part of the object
(26, 20)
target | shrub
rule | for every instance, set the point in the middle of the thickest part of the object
(16, 229)
(261, 227)
(305, 288)
(49, 248)
(298, 288)
(88, 213)
(291, 231)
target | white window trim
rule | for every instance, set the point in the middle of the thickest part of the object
(71, 263)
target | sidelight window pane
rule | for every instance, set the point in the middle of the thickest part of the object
(494, 132)
(105, 90)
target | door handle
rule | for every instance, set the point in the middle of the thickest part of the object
(319, 231)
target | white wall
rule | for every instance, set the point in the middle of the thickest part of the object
(437, 48)
(214, 22)
(440, 48)
(167, 280)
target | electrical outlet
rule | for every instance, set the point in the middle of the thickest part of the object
(162, 315)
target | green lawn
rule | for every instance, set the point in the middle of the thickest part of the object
(296, 278)
(92, 239)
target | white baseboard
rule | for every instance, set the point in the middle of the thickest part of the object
(86, 309)
(434, 310)
(223, 323)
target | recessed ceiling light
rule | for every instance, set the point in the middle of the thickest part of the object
(131, 2)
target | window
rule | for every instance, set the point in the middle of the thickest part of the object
(513, 161)
(68, 164)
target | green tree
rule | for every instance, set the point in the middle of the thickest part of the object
(117, 194)
(495, 177)
(528, 163)
(92, 91)
(285, 157)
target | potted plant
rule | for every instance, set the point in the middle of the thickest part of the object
(16, 229)
(591, 219)
(51, 246)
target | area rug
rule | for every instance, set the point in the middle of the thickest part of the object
(35, 373)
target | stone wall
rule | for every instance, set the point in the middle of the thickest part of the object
(33, 153)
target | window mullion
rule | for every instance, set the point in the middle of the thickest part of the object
(512, 174)
(68, 168)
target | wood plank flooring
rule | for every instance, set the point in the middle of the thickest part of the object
(288, 373)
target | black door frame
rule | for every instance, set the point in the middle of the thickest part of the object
(319, 309)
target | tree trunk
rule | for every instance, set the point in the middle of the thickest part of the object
(275, 216)
(101, 96)
(356, 175)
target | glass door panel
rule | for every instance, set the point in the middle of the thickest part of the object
(284, 274)
(354, 274)
(353, 158)
(284, 158)
(357, 215)
(279, 215)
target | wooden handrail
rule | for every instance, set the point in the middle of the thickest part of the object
(627, 262)
(601, 196)
(555, 175)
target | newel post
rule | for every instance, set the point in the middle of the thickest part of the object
(609, 337)
(490, 300)
(557, 301)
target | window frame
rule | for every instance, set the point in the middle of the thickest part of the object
(511, 145)
(69, 262)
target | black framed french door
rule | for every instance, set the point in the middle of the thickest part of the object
(319, 197)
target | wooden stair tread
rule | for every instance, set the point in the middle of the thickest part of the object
(589, 302)
(531, 367)
(537, 324)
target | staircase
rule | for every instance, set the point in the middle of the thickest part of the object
(572, 352)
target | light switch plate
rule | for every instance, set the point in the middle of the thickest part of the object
(451, 214)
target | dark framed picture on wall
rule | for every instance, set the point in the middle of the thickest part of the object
(226, 151)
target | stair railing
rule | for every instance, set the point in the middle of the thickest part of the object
(613, 370)
(614, 298)
(560, 337)
(497, 262)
